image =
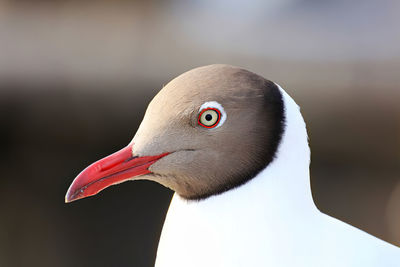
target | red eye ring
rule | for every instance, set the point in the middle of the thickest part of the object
(210, 126)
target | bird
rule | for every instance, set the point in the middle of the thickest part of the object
(233, 146)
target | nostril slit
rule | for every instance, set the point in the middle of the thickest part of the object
(131, 158)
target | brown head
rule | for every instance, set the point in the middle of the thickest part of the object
(207, 131)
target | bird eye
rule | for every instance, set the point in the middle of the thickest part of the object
(209, 117)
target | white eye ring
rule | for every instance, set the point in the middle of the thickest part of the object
(211, 115)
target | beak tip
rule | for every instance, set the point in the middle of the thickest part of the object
(69, 196)
(73, 195)
(67, 199)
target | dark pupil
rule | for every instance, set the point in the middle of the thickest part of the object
(208, 117)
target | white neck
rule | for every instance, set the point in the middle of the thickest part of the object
(287, 178)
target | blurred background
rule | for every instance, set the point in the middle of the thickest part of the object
(76, 77)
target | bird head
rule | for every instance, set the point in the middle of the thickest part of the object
(209, 130)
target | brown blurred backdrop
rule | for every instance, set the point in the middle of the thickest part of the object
(76, 77)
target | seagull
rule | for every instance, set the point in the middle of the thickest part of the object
(233, 147)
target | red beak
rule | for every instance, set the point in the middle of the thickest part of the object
(114, 169)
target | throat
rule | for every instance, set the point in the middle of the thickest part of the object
(267, 209)
(281, 190)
